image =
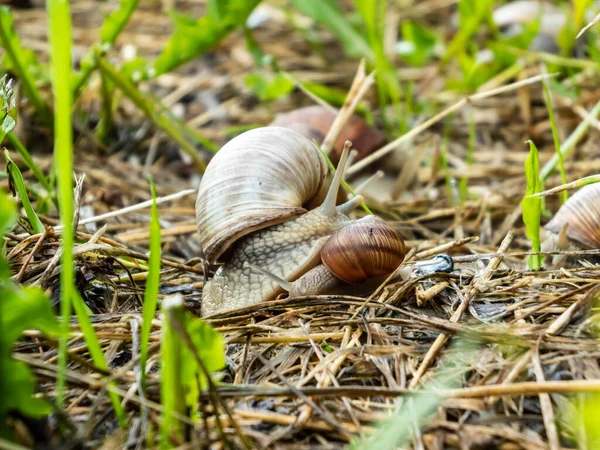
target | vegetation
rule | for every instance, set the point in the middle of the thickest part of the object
(101, 271)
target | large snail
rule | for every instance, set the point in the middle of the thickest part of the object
(266, 208)
(576, 225)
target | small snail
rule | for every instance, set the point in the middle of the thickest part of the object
(315, 121)
(576, 225)
(266, 208)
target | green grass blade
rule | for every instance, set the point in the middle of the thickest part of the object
(171, 387)
(561, 162)
(19, 184)
(112, 27)
(373, 14)
(569, 145)
(417, 408)
(149, 109)
(472, 14)
(60, 42)
(331, 17)
(12, 46)
(29, 162)
(193, 37)
(532, 206)
(152, 282)
(95, 350)
(105, 124)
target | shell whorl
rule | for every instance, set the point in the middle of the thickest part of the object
(260, 178)
(367, 248)
(582, 214)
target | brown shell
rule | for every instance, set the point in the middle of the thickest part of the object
(582, 213)
(367, 248)
(314, 123)
(258, 179)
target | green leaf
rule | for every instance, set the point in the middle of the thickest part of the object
(16, 180)
(422, 43)
(472, 14)
(16, 379)
(211, 350)
(532, 206)
(24, 308)
(21, 309)
(584, 416)
(115, 22)
(269, 88)
(193, 37)
(182, 378)
(30, 163)
(328, 14)
(8, 213)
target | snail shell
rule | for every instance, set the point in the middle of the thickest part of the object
(315, 121)
(367, 248)
(582, 215)
(260, 178)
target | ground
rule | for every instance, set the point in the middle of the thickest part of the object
(501, 355)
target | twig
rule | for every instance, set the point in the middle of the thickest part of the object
(132, 208)
(546, 405)
(472, 290)
(359, 88)
(572, 185)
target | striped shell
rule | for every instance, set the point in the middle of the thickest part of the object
(367, 248)
(582, 214)
(258, 179)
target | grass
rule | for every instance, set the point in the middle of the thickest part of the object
(151, 292)
(561, 162)
(192, 350)
(30, 163)
(147, 107)
(60, 41)
(532, 206)
(112, 27)
(171, 384)
(17, 180)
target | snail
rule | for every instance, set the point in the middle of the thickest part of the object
(266, 209)
(576, 225)
(315, 121)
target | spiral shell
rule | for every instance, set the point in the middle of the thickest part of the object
(367, 248)
(258, 179)
(582, 214)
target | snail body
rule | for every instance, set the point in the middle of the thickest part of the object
(269, 249)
